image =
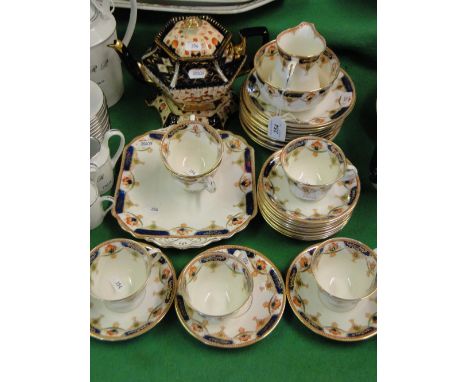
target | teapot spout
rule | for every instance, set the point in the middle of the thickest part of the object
(135, 67)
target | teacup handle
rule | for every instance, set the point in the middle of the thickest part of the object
(93, 172)
(350, 167)
(109, 199)
(155, 254)
(210, 184)
(109, 134)
(242, 257)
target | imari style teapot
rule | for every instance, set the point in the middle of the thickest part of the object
(192, 60)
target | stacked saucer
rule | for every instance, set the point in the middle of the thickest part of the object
(304, 91)
(289, 213)
(98, 112)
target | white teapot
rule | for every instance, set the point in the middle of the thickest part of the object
(106, 69)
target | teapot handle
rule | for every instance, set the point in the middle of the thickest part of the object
(131, 22)
(251, 32)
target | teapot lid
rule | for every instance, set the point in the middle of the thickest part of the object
(193, 36)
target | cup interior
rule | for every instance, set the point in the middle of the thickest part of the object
(94, 148)
(119, 269)
(301, 41)
(313, 161)
(217, 284)
(96, 98)
(192, 149)
(345, 268)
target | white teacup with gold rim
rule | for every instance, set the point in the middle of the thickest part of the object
(217, 284)
(119, 271)
(313, 165)
(345, 271)
(192, 152)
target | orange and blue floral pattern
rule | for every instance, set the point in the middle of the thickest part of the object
(160, 291)
(135, 217)
(302, 291)
(249, 326)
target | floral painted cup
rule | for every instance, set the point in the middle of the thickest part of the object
(217, 284)
(291, 84)
(345, 271)
(192, 152)
(120, 269)
(313, 165)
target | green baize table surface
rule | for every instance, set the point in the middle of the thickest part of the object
(291, 351)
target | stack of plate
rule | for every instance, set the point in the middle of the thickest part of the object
(98, 112)
(323, 120)
(301, 219)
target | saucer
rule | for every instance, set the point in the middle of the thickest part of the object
(108, 325)
(152, 205)
(339, 200)
(171, 114)
(250, 326)
(358, 324)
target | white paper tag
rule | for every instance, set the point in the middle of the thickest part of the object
(242, 256)
(345, 99)
(277, 128)
(197, 73)
(193, 46)
(117, 285)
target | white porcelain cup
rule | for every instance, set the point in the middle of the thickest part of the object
(345, 271)
(192, 152)
(97, 210)
(100, 156)
(216, 284)
(313, 165)
(119, 272)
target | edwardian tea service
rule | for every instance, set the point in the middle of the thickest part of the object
(190, 184)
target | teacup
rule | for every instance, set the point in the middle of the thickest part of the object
(119, 272)
(345, 271)
(216, 284)
(100, 156)
(97, 211)
(192, 152)
(293, 85)
(313, 165)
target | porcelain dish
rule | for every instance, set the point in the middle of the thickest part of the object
(109, 325)
(255, 322)
(294, 87)
(302, 291)
(305, 219)
(151, 205)
(221, 7)
(324, 120)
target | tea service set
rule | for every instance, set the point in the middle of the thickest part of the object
(190, 184)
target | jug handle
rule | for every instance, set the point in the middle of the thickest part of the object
(131, 22)
(251, 32)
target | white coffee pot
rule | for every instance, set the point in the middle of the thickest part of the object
(106, 69)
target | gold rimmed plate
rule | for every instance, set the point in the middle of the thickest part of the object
(252, 325)
(107, 325)
(358, 324)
